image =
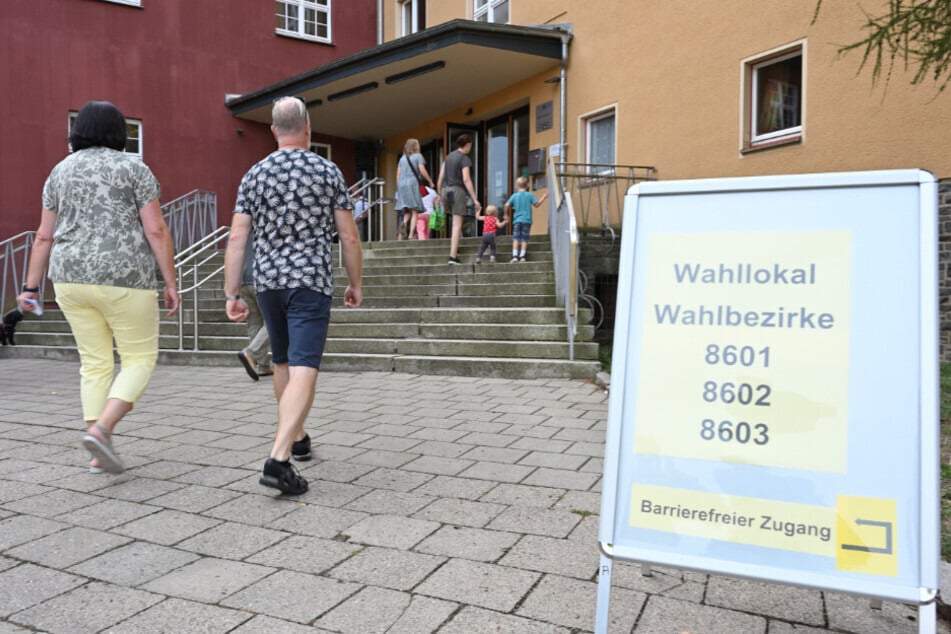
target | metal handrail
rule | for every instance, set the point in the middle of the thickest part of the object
(563, 232)
(600, 189)
(187, 265)
(190, 217)
(14, 260)
(372, 190)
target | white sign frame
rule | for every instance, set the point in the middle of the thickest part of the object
(789, 204)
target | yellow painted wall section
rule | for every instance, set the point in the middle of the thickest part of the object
(673, 71)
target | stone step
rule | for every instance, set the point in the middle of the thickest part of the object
(461, 348)
(333, 362)
(232, 336)
(420, 315)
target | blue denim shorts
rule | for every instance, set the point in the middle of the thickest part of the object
(297, 321)
(520, 231)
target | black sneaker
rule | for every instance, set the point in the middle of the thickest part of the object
(300, 450)
(283, 476)
(455, 261)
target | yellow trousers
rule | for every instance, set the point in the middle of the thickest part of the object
(99, 314)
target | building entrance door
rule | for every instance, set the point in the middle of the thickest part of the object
(506, 140)
(453, 130)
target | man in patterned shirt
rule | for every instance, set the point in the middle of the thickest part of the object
(288, 207)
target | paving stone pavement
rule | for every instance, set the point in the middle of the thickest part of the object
(437, 504)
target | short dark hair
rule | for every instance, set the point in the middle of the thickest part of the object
(98, 124)
(463, 140)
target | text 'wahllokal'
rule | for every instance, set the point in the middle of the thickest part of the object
(744, 273)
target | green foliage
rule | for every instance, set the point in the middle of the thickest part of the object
(604, 355)
(914, 32)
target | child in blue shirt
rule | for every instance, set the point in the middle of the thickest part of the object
(519, 209)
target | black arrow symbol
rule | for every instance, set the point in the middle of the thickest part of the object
(887, 550)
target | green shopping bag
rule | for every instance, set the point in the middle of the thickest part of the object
(437, 219)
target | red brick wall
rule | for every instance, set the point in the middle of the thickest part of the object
(170, 64)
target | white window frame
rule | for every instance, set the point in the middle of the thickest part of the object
(484, 10)
(323, 149)
(409, 16)
(750, 94)
(593, 117)
(136, 123)
(319, 7)
(131, 3)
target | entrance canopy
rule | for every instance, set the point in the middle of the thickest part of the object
(381, 91)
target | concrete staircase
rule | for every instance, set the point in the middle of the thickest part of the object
(420, 316)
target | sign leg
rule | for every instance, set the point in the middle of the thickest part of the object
(604, 595)
(928, 618)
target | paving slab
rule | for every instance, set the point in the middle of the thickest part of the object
(474, 619)
(20, 529)
(475, 583)
(133, 564)
(387, 567)
(572, 603)
(28, 584)
(371, 610)
(799, 605)
(468, 543)
(318, 521)
(166, 527)
(177, 615)
(208, 580)
(229, 540)
(305, 554)
(390, 531)
(663, 615)
(65, 548)
(89, 608)
(261, 624)
(293, 596)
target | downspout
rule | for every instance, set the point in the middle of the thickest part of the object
(563, 96)
(379, 21)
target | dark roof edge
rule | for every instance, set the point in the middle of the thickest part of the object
(544, 40)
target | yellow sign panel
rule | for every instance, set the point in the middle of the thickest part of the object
(768, 523)
(859, 532)
(745, 350)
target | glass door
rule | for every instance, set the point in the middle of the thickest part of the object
(497, 167)
(453, 130)
(506, 140)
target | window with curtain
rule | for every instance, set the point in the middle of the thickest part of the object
(600, 138)
(775, 97)
(304, 19)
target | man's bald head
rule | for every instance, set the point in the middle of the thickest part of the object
(289, 116)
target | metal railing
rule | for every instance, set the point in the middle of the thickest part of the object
(191, 276)
(14, 260)
(190, 217)
(563, 232)
(372, 190)
(599, 191)
(585, 197)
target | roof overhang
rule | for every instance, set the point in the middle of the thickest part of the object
(382, 91)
